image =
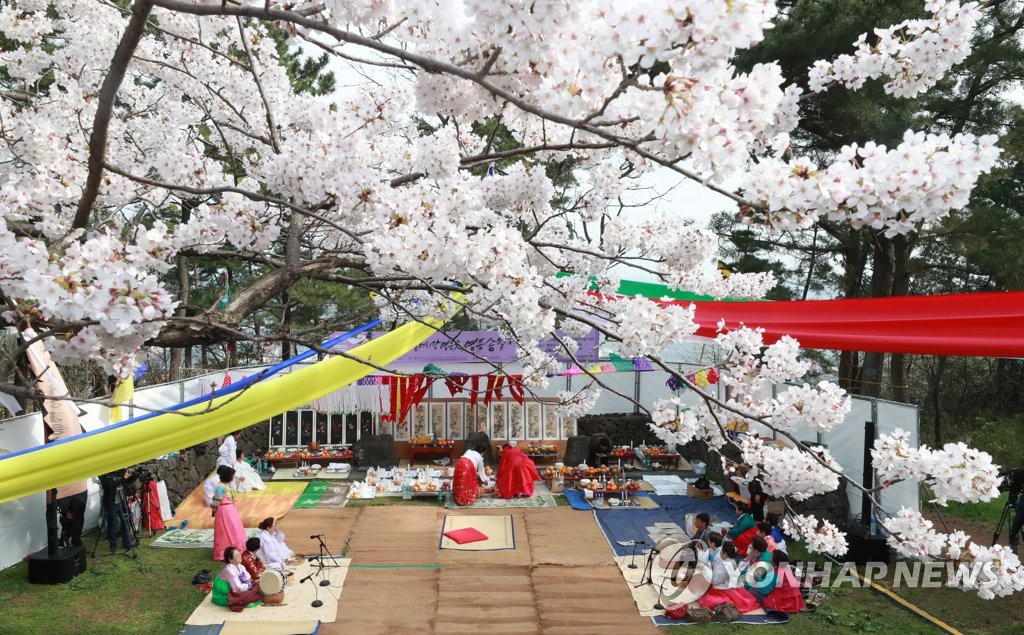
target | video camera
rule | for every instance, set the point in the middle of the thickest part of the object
(141, 473)
(1013, 482)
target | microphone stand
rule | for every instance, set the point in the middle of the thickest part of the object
(658, 606)
(632, 558)
(324, 551)
(648, 568)
(317, 602)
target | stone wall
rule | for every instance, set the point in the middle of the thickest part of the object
(622, 429)
(186, 470)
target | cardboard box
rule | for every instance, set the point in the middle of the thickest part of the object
(697, 492)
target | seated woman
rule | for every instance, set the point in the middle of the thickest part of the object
(759, 578)
(228, 530)
(765, 531)
(745, 529)
(273, 550)
(246, 478)
(241, 589)
(469, 476)
(726, 583)
(776, 533)
(251, 560)
(516, 473)
(786, 595)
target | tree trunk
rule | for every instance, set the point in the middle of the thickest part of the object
(898, 377)
(881, 286)
(854, 261)
(286, 317)
(935, 390)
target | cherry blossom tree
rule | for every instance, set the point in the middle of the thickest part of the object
(115, 112)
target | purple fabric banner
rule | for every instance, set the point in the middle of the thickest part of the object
(472, 346)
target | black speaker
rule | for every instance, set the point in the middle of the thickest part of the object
(58, 568)
(864, 550)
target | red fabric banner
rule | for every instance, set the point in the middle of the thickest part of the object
(967, 324)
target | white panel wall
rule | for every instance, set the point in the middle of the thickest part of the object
(846, 444)
(892, 415)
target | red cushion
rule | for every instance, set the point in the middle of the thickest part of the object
(462, 536)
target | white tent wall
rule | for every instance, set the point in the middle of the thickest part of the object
(892, 415)
(846, 444)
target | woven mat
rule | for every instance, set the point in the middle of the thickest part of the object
(498, 529)
(297, 600)
(542, 497)
(193, 538)
(252, 506)
(323, 494)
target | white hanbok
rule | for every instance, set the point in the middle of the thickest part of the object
(226, 453)
(273, 550)
(246, 478)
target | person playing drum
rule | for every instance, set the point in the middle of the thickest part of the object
(269, 581)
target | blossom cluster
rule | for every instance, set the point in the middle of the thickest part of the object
(914, 536)
(913, 54)
(922, 179)
(821, 536)
(954, 472)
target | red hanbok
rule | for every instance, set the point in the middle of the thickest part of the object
(786, 594)
(742, 542)
(739, 596)
(465, 485)
(516, 474)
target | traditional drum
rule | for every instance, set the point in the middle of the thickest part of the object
(272, 586)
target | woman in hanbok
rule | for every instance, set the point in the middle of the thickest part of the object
(246, 478)
(469, 476)
(226, 452)
(785, 595)
(228, 530)
(726, 582)
(516, 473)
(242, 590)
(273, 550)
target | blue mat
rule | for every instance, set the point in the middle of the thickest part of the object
(576, 500)
(719, 507)
(770, 617)
(632, 524)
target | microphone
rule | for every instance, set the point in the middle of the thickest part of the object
(307, 577)
(631, 543)
(316, 536)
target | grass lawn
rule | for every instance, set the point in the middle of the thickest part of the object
(116, 595)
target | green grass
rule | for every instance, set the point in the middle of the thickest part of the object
(986, 513)
(116, 595)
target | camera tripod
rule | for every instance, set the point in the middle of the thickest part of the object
(123, 515)
(1003, 520)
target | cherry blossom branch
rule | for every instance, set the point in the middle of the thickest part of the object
(105, 108)
(271, 126)
(213, 191)
(438, 66)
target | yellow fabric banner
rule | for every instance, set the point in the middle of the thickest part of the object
(109, 449)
